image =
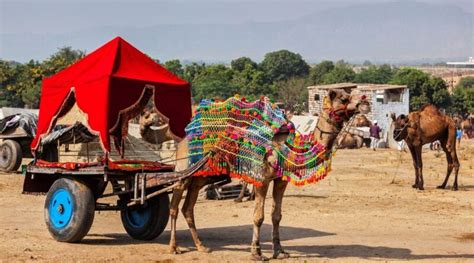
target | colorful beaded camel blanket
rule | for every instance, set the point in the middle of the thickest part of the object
(239, 135)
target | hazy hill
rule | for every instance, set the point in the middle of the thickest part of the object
(388, 31)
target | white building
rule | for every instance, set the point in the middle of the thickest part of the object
(463, 64)
(384, 100)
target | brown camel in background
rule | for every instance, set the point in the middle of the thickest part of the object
(467, 127)
(352, 140)
(425, 126)
(361, 121)
(154, 128)
(340, 103)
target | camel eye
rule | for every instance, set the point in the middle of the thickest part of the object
(344, 100)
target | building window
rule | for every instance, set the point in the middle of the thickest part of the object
(316, 97)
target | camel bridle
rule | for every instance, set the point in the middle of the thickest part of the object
(399, 131)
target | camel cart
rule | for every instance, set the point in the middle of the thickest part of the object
(110, 86)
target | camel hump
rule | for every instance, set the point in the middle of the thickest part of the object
(430, 109)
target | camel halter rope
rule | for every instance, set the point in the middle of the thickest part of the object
(399, 130)
(335, 119)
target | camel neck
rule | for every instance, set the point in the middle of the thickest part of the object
(326, 131)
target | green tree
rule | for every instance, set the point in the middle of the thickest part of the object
(252, 83)
(28, 83)
(9, 97)
(341, 73)
(437, 92)
(191, 71)
(317, 73)
(293, 93)
(241, 63)
(466, 83)
(416, 81)
(215, 81)
(283, 65)
(61, 59)
(463, 96)
(375, 74)
(175, 67)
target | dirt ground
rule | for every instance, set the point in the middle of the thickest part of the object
(364, 210)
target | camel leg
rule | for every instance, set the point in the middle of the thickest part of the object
(453, 162)
(177, 195)
(279, 187)
(242, 192)
(252, 194)
(188, 210)
(456, 165)
(419, 162)
(413, 157)
(456, 169)
(449, 160)
(260, 195)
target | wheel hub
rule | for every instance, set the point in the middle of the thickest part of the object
(4, 155)
(138, 217)
(61, 208)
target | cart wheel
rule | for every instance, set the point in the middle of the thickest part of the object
(69, 210)
(10, 155)
(147, 222)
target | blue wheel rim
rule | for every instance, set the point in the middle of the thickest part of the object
(61, 208)
(138, 217)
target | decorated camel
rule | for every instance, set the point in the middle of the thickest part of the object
(349, 140)
(257, 144)
(425, 126)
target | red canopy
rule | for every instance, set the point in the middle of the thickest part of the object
(112, 85)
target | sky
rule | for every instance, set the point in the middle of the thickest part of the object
(23, 22)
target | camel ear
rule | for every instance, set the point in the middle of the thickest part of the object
(332, 94)
(394, 117)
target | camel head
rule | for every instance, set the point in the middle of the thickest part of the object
(362, 121)
(400, 129)
(150, 117)
(341, 106)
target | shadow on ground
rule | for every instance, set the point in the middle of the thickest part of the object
(237, 238)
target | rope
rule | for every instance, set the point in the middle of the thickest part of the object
(344, 131)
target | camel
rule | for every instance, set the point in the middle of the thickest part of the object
(425, 126)
(341, 107)
(350, 141)
(354, 141)
(361, 121)
(467, 127)
(153, 127)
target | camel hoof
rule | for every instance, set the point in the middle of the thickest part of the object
(175, 251)
(238, 200)
(455, 188)
(280, 254)
(204, 249)
(414, 186)
(421, 188)
(440, 186)
(257, 257)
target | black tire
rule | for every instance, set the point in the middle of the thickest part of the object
(149, 221)
(69, 210)
(10, 155)
(50, 153)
